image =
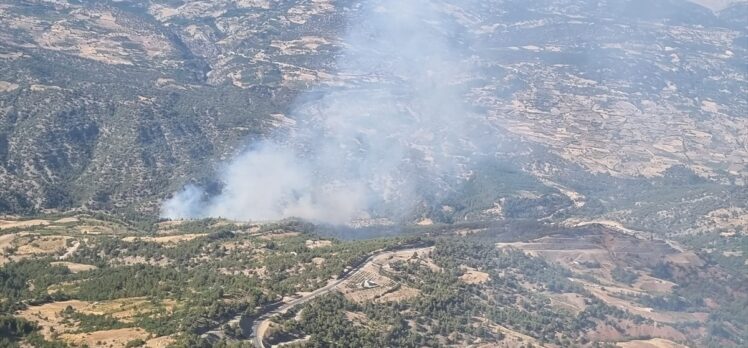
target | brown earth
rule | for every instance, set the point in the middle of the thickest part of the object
(74, 267)
(473, 276)
(651, 343)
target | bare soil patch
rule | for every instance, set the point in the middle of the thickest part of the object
(403, 292)
(357, 318)
(140, 260)
(106, 338)
(31, 244)
(74, 267)
(313, 244)
(366, 285)
(6, 240)
(652, 284)
(318, 260)
(48, 316)
(608, 333)
(421, 255)
(67, 220)
(511, 339)
(568, 301)
(279, 235)
(473, 276)
(166, 239)
(6, 86)
(651, 343)
(159, 342)
(607, 295)
(50, 319)
(22, 223)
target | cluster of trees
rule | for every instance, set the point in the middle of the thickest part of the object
(15, 278)
(203, 275)
(325, 320)
(445, 311)
(12, 329)
(92, 322)
(452, 252)
(623, 275)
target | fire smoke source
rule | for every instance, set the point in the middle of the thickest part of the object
(378, 146)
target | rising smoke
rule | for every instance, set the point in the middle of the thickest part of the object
(395, 134)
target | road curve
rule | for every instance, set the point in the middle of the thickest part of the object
(263, 322)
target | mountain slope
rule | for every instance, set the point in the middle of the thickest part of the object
(116, 105)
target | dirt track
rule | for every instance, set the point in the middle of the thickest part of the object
(261, 324)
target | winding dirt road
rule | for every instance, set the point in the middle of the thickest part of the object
(262, 323)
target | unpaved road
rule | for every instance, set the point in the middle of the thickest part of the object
(262, 323)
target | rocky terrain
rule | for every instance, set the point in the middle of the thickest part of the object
(115, 105)
(622, 124)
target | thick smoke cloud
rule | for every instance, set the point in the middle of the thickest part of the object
(395, 134)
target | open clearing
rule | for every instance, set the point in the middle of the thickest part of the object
(74, 267)
(166, 239)
(52, 322)
(370, 284)
(652, 343)
(473, 276)
(598, 251)
(313, 244)
(4, 224)
(106, 338)
(50, 318)
(31, 244)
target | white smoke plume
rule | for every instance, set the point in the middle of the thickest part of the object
(392, 136)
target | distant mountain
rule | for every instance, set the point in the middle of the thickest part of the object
(718, 5)
(629, 110)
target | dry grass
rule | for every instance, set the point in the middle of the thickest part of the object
(31, 244)
(313, 244)
(651, 343)
(159, 342)
(6, 241)
(48, 316)
(357, 318)
(318, 260)
(106, 338)
(511, 339)
(607, 294)
(140, 260)
(403, 293)
(22, 223)
(304, 45)
(473, 276)
(166, 239)
(6, 86)
(169, 225)
(279, 235)
(242, 245)
(368, 284)
(67, 220)
(422, 255)
(655, 285)
(74, 267)
(608, 333)
(260, 272)
(571, 302)
(50, 319)
(95, 229)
